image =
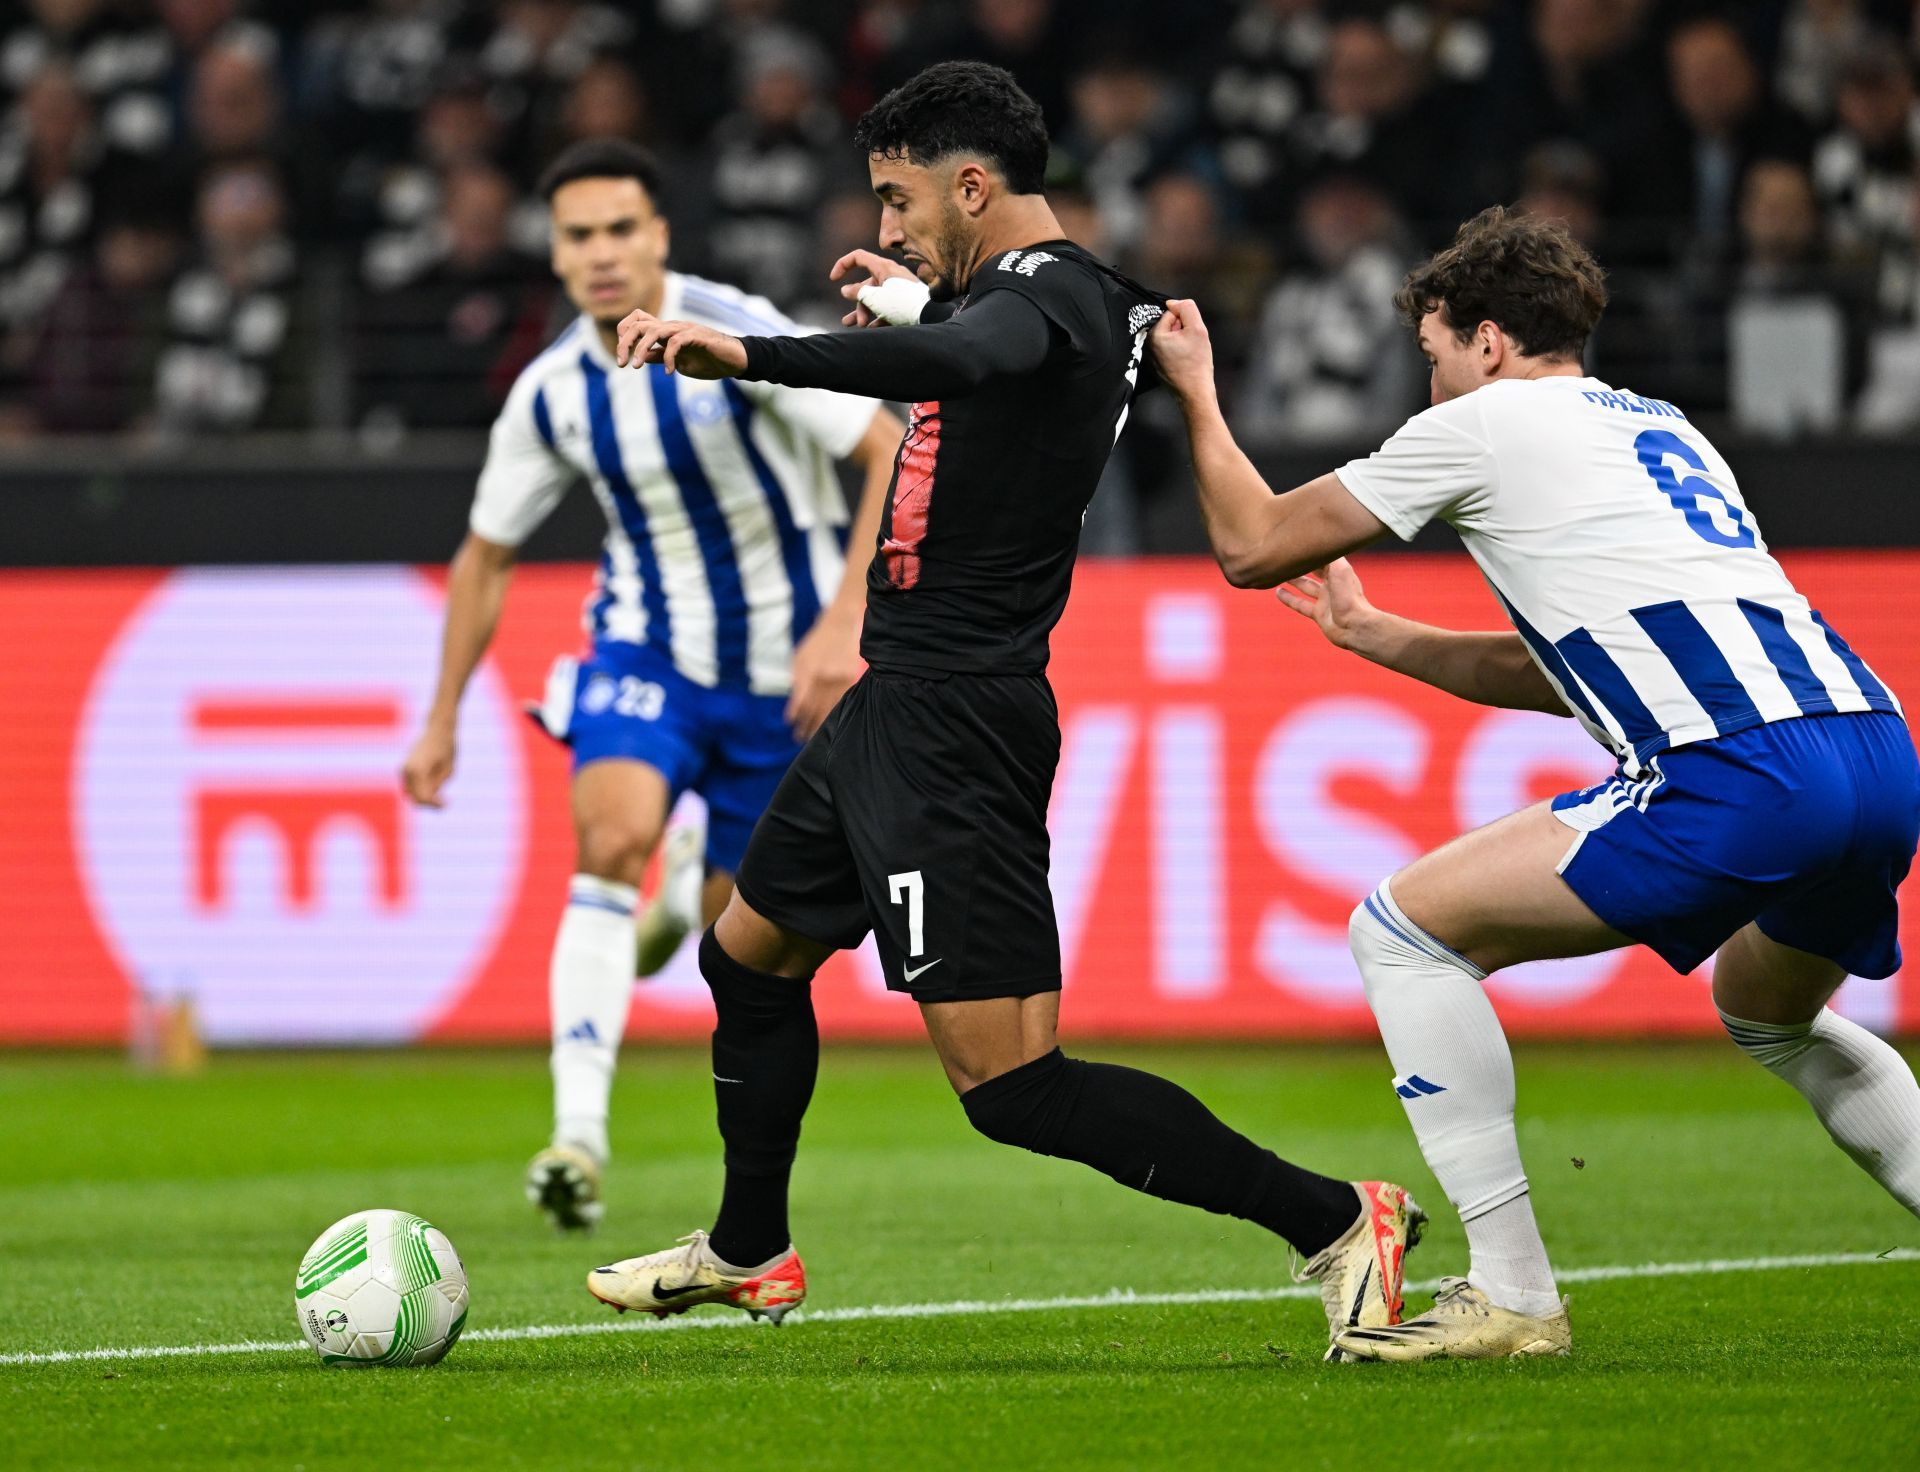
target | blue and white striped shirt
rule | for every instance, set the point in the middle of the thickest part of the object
(725, 519)
(1616, 538)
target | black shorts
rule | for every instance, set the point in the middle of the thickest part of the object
(919, 811)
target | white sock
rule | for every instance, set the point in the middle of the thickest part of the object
(1860, 1087)
(1455, 1076)
(589, 988)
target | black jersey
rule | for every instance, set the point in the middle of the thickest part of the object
(1017, 401)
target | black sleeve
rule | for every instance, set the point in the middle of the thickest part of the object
(1001, 335)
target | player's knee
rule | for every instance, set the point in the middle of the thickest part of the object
(615, 848)
(1026, 1105)
(747, 1000)
(1385, 943)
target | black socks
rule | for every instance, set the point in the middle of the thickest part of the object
(766, 1053)
(1154, 1136)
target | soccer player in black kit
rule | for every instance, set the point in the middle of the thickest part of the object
(919, 809)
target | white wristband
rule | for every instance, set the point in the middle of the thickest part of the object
(897, 301)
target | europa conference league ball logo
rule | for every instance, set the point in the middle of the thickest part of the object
(239, 818)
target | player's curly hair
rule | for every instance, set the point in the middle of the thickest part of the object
(1526, 274)
(961, 107)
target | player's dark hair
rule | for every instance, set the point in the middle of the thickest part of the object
(1526, 274)
(961, 107)
(601, 158)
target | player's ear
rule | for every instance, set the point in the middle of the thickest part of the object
(972, 186)
(663, 239)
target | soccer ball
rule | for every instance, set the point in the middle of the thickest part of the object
(381, 1288)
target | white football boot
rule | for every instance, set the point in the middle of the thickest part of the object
(673, 1281)
(564, 1182)
(1463, 1324)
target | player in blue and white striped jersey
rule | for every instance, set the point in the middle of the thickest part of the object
(1767, 801)
(721, 628)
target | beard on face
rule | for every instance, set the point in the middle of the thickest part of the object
(955, 244)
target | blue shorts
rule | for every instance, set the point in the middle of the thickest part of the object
(730, 746)
(1806, 826)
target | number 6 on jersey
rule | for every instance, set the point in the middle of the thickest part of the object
(909, 884)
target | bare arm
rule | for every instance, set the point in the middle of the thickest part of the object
(1259, 539)
(827, 660)
(476, 589)
(1486, 668)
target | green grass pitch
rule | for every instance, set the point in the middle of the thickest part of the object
(172, 1212)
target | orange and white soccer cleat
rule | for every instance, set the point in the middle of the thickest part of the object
(1363, 1273)
(673, 1281)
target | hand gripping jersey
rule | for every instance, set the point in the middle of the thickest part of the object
(725, 519)
(1615, 536)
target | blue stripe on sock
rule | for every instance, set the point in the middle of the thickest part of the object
(599, 902)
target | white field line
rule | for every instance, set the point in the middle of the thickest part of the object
(968, 1307)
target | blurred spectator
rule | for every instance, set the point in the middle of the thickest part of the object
(535, 52)
(236, 111)
(1258, 88)
(1890, 403)
(1783, 244)
(1451, 37)
(1027, 37)
(1368, 123)
(1575, 70)
(874, 51)
(1564, 182)
(225, 365)
(1864, 167)
(457, 128)
(1816, 38)
(1729, 123)
(1330, 359)
(441, 348)
(774, 159)
(117, 58)
(368, 78)
(1129, 124)
(93, 370)
(47, 203)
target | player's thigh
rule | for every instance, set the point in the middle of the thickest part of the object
(1496, 896)
(1757, 979)
(943, 786)
(715, 893)
(983, 1039)
(620, 809)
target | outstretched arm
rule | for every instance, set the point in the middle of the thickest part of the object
(1000, 334)
(1258, 538)
(1486, 668)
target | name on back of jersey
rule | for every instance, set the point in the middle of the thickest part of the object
(1025, 262)
(1611, 398)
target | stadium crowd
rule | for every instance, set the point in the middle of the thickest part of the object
(226, 215)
